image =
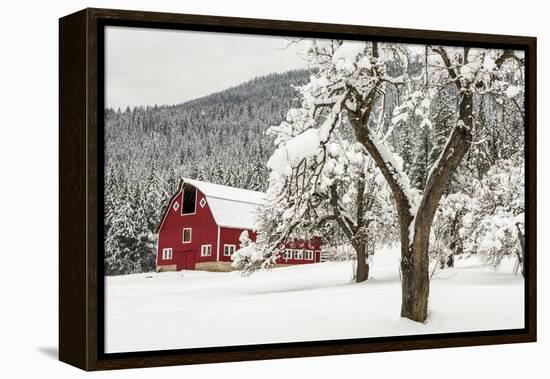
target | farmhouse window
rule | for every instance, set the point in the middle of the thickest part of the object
(308, 255)
(206, 250)
(228, 250)
(189, 199)
(167, 253)
(186, 235)
(298, 254)
(288, 254)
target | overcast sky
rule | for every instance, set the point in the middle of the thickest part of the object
(153, 66)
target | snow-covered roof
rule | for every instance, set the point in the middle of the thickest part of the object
(231, 207)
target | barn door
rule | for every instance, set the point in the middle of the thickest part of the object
(185, 260)
(189, 260)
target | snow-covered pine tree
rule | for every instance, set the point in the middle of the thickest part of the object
(109, 206)
(121, 240)
(144, 243)
(155, 197)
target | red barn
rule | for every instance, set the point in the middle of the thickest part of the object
(202, 223)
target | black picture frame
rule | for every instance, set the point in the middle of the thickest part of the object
(81, 104)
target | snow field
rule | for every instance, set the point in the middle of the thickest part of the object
(192, 309)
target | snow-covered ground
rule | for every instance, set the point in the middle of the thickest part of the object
(301, 303)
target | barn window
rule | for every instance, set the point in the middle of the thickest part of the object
(189, 198)
(298, 254)
(186, 238)
(288, 254)
(228, 250)
(308, 255)
(202, 202)
(167, 253)
(206, 250)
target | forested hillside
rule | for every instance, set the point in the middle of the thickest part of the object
(219, 138)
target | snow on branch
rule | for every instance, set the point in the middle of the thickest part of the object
(308, 143)
(394, 166)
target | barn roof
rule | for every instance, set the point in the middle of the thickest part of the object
(231, 207)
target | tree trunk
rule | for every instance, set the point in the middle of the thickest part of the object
(415, 278)
(361, 238)
(442, 261)
(521, 255)
(451, 260)
(362, 273)
(355, 235)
